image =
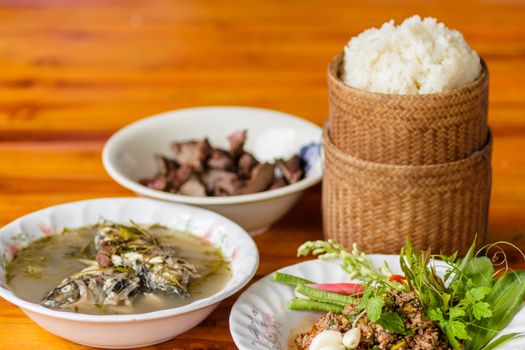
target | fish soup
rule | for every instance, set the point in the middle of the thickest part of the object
(116, 269)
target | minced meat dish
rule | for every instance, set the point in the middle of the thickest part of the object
(423, 334)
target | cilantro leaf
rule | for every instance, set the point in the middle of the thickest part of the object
(456, 312)
(477, 294)
(505, 300)
(454, 329)
(481, 310)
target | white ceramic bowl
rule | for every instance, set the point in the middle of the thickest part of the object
(125, 331)
(128, 156)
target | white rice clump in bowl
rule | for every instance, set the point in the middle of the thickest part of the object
(416, 57)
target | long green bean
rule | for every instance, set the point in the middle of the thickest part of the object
(305, 304)
(290, 279)
(323, 296)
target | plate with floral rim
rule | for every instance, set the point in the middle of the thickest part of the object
(260, 319)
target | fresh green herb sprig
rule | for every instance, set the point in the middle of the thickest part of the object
(505, 300)
(377, 284)
(456, 302)
(372, 302)
(356, 263)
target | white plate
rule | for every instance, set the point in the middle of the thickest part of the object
(124, 331)
(260, 319)
(128, 156)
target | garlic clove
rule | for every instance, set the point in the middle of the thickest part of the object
(326, 338)
(352, 338)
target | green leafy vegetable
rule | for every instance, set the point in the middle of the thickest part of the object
(454, 329)
(392, 322)
(480, 271)
(500, 341)
(475, 306)
(505, 300)
(374, 308)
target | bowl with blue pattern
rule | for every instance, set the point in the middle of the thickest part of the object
(128, 156)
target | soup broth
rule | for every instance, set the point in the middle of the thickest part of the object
(44, 263)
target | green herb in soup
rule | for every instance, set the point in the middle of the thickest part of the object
(111, 268)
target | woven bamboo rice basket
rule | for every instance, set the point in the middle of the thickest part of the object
(378, 206)
(408, 129)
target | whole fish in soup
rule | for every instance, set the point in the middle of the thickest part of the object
(135, 248)
(132, 268)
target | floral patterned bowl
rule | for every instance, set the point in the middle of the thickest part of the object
(125, 331)
(260, 319)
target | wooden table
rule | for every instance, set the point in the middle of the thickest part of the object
(74, 71)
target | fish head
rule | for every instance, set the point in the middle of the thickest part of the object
(66, 294)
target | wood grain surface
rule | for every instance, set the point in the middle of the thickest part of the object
(74, 71)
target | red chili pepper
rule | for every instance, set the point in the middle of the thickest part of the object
(397, 278)
(353, 289)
